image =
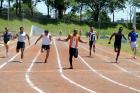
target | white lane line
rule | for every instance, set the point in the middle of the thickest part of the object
(123, 69)
(119, 67)
(104, 77)
(27, 76)
(11, 47)
(125, 59)
(66, 78)
(5, 63)
(9, 43)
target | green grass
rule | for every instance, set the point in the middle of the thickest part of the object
(66, 29)
(125, 46)
(53, 28)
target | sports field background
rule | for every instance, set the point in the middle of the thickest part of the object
(67, 29)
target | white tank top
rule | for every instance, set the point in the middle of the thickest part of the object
(21, 37)
(46, 39)
(92, 37)
(74, 42)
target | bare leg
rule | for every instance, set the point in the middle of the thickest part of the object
(17, 50)
(90, 51)
(135, 52)
(115, 49)
(6, 47)
(22, 53)
(47, 55)
(94, 48)
(42, 50)
(118, 53)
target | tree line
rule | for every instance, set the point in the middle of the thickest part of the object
(97, 10)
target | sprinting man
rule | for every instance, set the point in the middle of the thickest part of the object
(118, 41)
(60, 33)
(21, 36)
(46, 41)
(93, 36)
(133, 38)
(80, 32)
(73, 46)
(7, 36)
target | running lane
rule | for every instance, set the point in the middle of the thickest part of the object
(47, 76)
(101, 63)
(12, 75)
(84, 76)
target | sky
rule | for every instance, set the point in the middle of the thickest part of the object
(41, 7)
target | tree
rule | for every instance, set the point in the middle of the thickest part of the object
(1, 6)
(116, 5)
(60, 6)
(96, 6)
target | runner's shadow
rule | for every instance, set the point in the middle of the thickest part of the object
(126, 58)
(111, 62)
(89, 56)
(39, 62)
(66, 68)
(15, 62)
(3, 57)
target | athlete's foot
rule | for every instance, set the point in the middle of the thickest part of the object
(21, 60)
(71, 67)
(116, 60)
(134, 57)
(45, 61)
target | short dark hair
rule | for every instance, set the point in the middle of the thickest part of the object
(46, 31)
(21, 27)
(121, 28)
(75, 30)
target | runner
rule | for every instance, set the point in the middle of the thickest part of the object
(93, 36)
(80, 32)
(118, 41)
(46, 41)
(7, 36)
(133, 38)
(60, 33)
(73, 46)
(21, 42)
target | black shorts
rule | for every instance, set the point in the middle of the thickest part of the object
(117, 46)
(6, 41)
(20, 45)
(91, 43)
(73, 52)
(45, 47)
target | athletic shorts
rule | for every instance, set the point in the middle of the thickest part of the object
(45, 47)
(117, 46)
(6, 41)
(91, 43)
(134, 45)
(20, 45)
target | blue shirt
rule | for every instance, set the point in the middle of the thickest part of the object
(133, 36)
(7, 36)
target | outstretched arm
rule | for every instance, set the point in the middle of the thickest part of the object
(38, 39)
(111, 38)
(80, 40)
(97, 34)
(50, 37)
(124, 37)
(65, 39)
(28, 38)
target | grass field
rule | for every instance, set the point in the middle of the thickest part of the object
(66, 29)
